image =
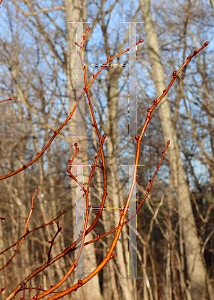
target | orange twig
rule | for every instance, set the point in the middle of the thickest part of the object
(9, 98)
(123, 211)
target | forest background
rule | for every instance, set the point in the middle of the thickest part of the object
(175, 235)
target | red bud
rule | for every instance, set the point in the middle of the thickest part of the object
(79, 282)
(206, 43)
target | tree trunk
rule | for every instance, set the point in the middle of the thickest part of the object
(112, 175)
(77, 11)
(195, 268)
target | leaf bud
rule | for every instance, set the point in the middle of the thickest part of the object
(79, 282)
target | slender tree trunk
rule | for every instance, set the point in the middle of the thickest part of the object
(195, 268)
(112, 176)
(77, 11)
